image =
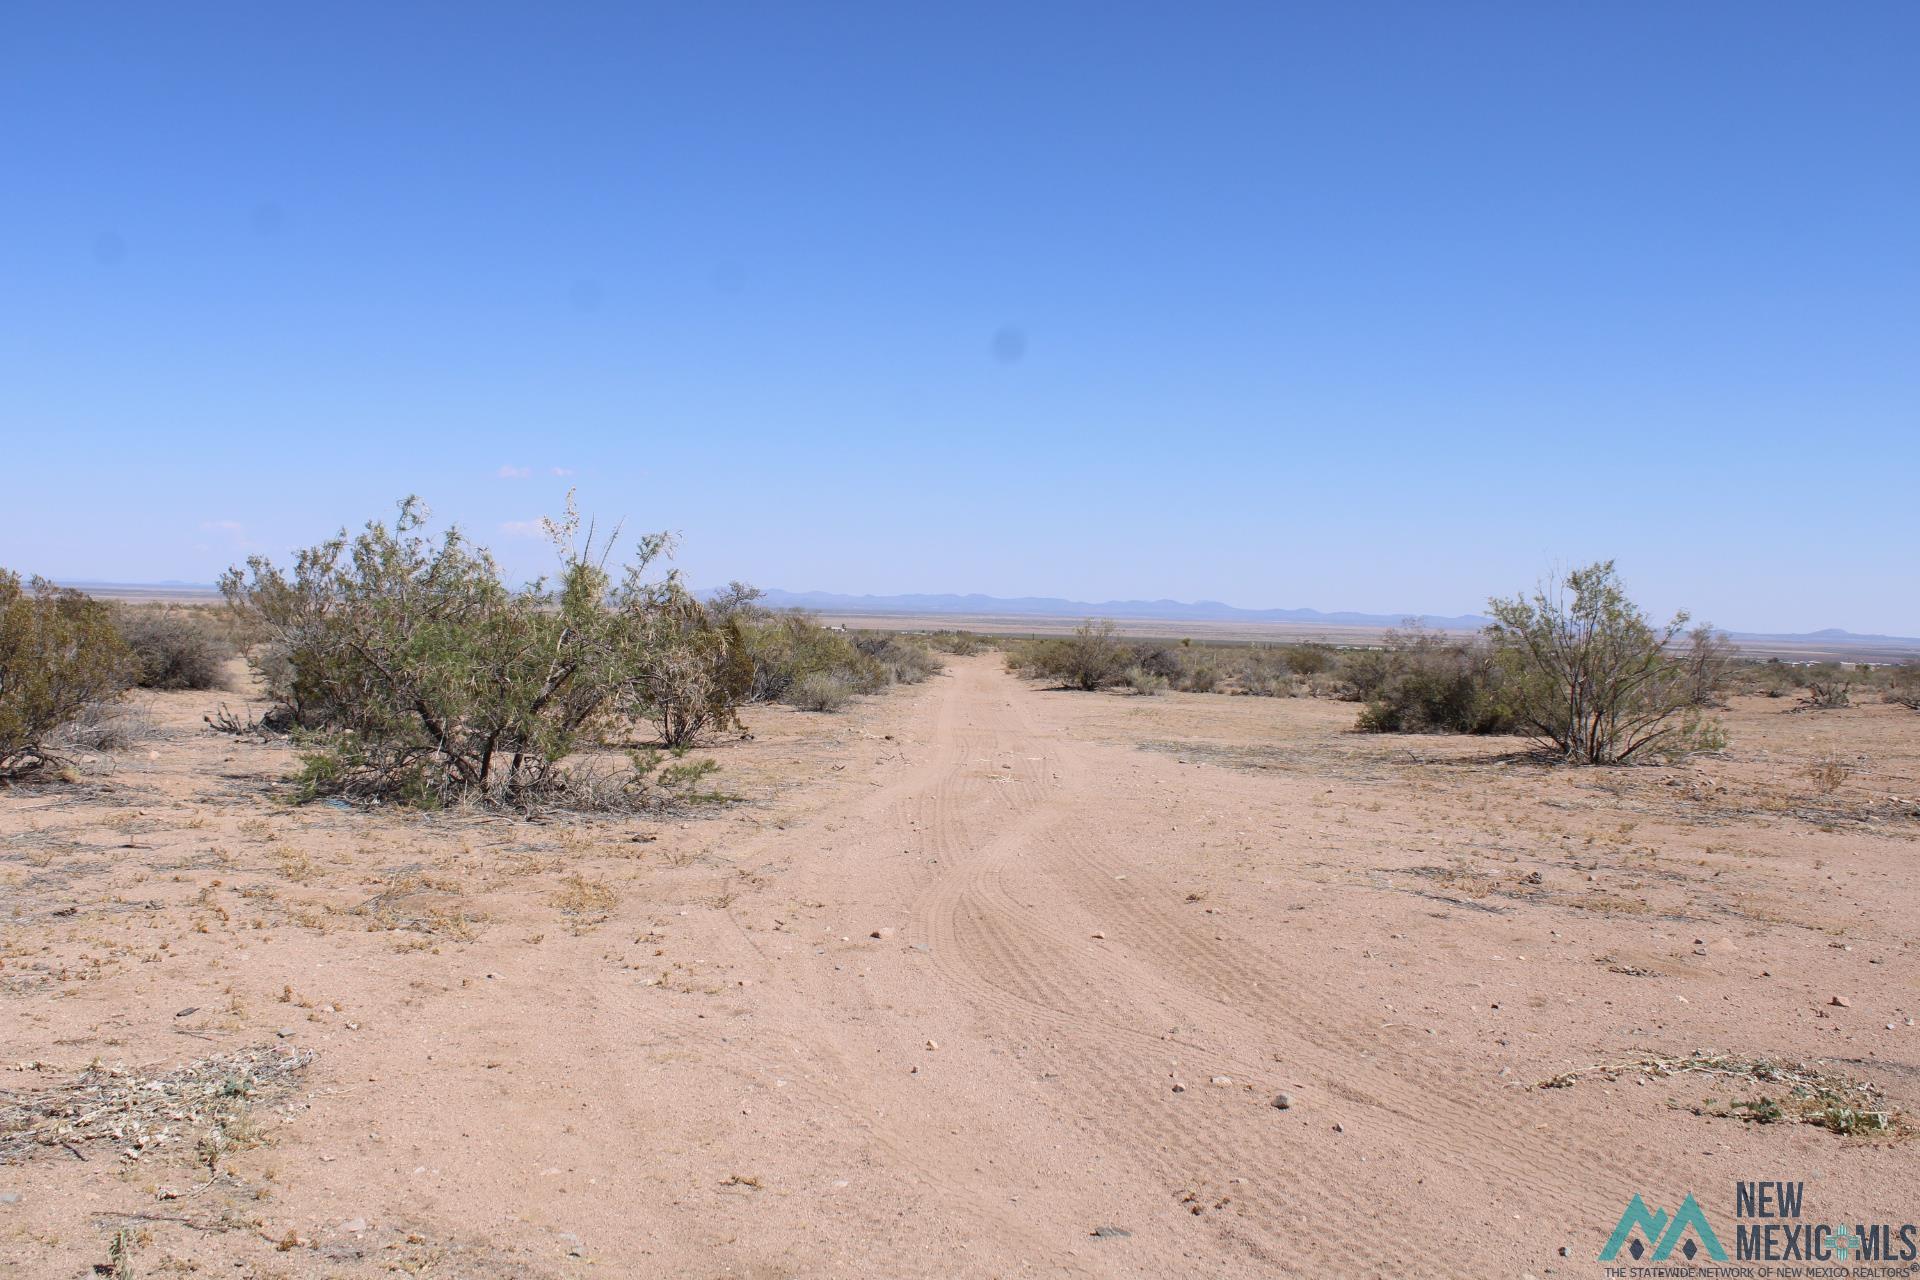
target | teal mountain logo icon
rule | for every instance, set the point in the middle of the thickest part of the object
(1641, 1229)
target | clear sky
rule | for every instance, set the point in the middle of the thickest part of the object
(1381, 306)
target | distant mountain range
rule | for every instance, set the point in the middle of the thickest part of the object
(1195, 611)
(1054, 607)
(1051, 607)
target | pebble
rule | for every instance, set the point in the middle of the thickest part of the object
(1179, 1088)
(354, 1225)
(9, 1197)
(285, 1033)
(1110, 1233)
(1283, 1101)
(1221, 1080)
(882, 934)
(1841, 1002)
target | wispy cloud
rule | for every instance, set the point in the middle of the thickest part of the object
(524, 528)
(510, 472)
(563, 472)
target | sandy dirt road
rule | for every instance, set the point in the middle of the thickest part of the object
(1109, 1051)
(988, 990)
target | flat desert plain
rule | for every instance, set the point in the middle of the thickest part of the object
(976, 979)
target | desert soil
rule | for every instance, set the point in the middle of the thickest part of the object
(977, 979)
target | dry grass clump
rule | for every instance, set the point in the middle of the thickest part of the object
(410, 903)
(1829, 773)
(204, 1102)
(585, 902)
(105, 726)
(1801, 1093)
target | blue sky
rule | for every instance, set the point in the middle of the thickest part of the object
(1346, 306)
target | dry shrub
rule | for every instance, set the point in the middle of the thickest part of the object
(106, 726)
(1903, 687)
(1829, 694)
(174, 648)
(820, 691)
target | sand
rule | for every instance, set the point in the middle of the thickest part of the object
(978, 979)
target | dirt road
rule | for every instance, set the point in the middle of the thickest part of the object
(1111, 1039)
(984, 989)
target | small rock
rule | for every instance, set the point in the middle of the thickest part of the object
(9, 1197)
(1841, 1002)
(1179, 1088)
(354, 1225)
(285, 1033)
(1110, 1233)
(1097, 935)
(188, 1012)
(882, 934)
(1339, 1128)
(1283, 1101)
(932, 1045)
(1221, 1080)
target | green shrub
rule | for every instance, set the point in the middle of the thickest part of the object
(1144, 682)
(902, 660)
(1309, 659)
(959, 643)
(60, 655)
(1260, 671)
(1424, 683)
(420, 677)
(786, 646)
(1199, 677)
(174, 648)
(1586, 674)
(1091, 658)
(696, 672)
(1708, 659)
(1156, 660)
